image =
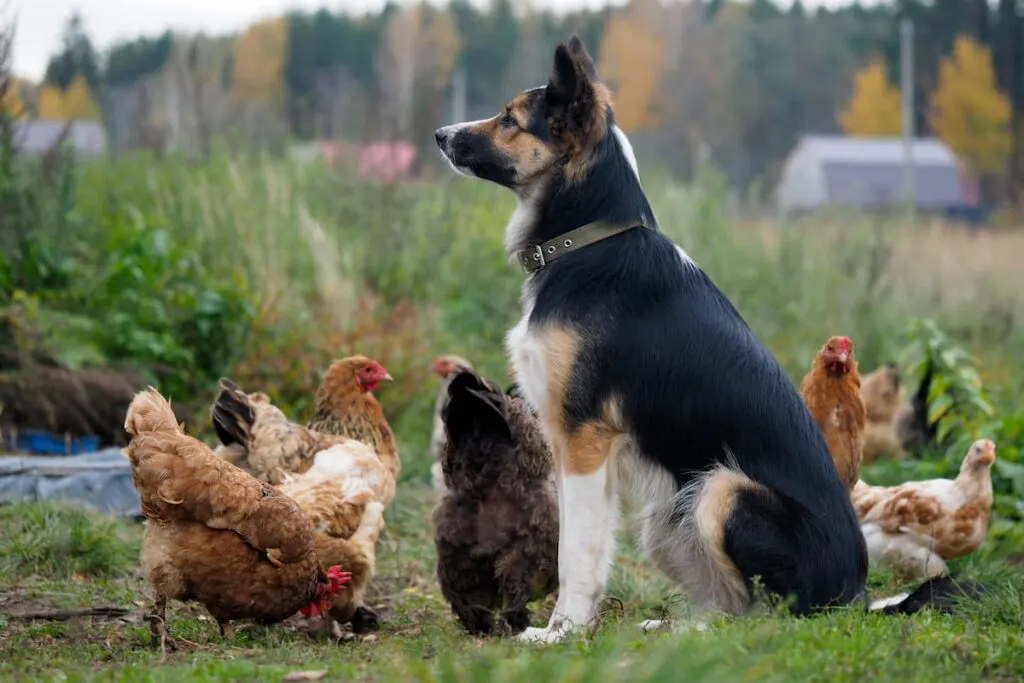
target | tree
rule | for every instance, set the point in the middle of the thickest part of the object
(967, 110)
(11, 100)
(261, 55)
(50, 102)
(418, 54)
(78, 100)
(77, 57)
(874, 106)
(633, 63)
(74, 103)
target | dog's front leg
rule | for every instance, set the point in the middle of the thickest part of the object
(588, 517)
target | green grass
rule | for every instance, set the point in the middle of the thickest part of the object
(420, 641)
(58, 542)
(265, 272)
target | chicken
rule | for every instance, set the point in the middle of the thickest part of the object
(911, 425)
(340, 484)
(496, 528)
(257, 436)
(913, 529)
(216, 535)
(882, 396)
(346, 406)
(446, 367)
(831, 392)
(339, 494)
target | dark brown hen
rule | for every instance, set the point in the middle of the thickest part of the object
(496, 528)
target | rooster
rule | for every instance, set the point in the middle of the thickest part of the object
(914, 528)
(216, 535)
(446, 368)
(831, 392)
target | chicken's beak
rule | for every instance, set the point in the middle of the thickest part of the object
(843, 357)
(988, 452)
(386, 377)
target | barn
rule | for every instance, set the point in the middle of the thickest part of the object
(868, 173)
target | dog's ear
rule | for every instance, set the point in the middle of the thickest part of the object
(573, 106)
(579, 51)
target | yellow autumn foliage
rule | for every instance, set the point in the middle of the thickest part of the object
(874, 106)
(633, 63)
(967, 110)
(12, 103)
(261, 55)
(74, 103)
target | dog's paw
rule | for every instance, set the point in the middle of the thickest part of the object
(651, 625)
(544, 636)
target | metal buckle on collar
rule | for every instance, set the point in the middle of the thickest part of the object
(533, 259)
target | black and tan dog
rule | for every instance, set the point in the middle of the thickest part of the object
(646, 379)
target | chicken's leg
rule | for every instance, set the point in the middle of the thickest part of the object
(158, 626)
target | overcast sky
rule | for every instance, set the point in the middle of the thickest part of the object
(39, 22)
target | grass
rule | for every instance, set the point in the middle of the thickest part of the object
(310, 264)
(421, 642)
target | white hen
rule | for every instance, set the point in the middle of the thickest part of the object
(914, 528)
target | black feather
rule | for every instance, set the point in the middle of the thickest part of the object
(232, 414)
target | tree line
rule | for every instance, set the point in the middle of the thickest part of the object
(734, 83)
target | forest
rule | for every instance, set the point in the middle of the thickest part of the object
(736, 83)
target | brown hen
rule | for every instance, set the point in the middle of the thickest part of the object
(216, 535)
(346, 406)
(831, 392)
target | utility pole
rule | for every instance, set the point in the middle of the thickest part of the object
(907, 102)
(458, 98)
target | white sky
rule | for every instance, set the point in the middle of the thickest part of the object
(40, 22)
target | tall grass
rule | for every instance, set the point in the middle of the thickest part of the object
(333, 265)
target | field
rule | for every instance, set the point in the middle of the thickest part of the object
(264, 271)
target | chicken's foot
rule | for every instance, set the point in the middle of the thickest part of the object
(158, 628)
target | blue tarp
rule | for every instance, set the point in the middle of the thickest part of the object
(102, 480)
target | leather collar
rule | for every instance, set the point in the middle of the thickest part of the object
(536, 257)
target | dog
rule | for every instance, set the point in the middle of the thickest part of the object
(496, 527)
(646, 380)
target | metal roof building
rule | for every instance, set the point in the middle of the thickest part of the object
(88, 137)
(868, 172)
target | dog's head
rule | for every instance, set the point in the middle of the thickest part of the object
(540, 132)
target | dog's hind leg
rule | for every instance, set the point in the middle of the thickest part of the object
(588, 517)
(686, 539)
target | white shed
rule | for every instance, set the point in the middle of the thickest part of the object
(868, 172)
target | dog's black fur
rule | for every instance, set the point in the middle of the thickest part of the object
(496, 529)
(696, 386)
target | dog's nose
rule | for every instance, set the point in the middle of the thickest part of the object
(440, 135)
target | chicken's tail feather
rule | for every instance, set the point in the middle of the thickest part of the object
(232, 414)
(150, 412)
(943, 593)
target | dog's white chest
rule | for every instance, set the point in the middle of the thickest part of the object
(527, 356)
